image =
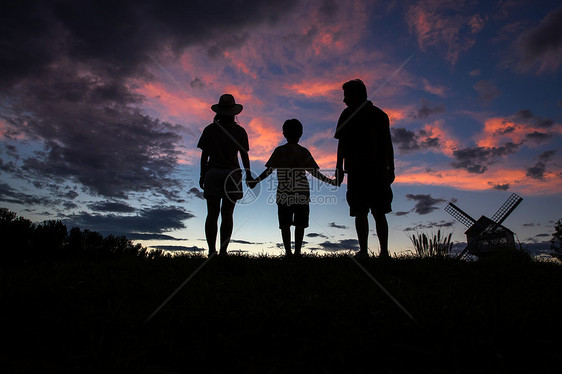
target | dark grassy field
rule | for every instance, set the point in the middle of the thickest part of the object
(257, 315)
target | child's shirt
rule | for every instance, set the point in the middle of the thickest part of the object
(291, 162)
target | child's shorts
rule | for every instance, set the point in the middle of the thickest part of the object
(294, 214)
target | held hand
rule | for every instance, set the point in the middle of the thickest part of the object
(250, 181)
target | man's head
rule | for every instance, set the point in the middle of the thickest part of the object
(292, 129)
(354, 92)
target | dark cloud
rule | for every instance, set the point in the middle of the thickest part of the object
(336, 226)
(136, 236)
(198, 83)
(68, 76)
(9, 195)
(111, 206)
(109, 148)
(149, 221)
(8, 167)
(425, 204)
(538, 137)
(477, 159)
(499, 186)
(341, 245)
(116, 38)
(527, 117)
(174, 248)
(430, 226)
(538, 170)
(350, 243)
(487, 91)
(316, 235)
(542, 45)
(243, 241)
(400, 214)
(427, 110)
(408, 141)
(196, 192)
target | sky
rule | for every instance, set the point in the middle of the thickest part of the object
(102, 104)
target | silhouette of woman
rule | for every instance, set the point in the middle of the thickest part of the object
(221, 177)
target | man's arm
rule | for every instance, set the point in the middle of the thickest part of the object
(339, 165)
(389, 154)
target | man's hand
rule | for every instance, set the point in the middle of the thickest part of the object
(339, 177)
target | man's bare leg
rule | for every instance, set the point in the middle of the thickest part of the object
(382, 232)
(286, 236)
(299, 235)
(362, 229)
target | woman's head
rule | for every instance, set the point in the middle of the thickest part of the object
(227, 106)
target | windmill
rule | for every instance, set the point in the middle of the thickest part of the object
(486, 235)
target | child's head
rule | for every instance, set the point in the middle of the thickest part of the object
(292, 129)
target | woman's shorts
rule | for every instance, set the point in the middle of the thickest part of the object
(223, 183)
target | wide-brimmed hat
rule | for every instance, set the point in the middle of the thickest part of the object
(227, 105)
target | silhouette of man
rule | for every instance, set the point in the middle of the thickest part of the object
(366, 154)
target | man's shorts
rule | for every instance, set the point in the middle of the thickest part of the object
(366, 193)
(294, 214)
(223, 183)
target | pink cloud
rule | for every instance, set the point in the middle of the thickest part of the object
(440, 24)
(434, 89)
(264, 137)
(3, 128)
(498, 130)
(448, 143)
(173, 104)
(315, 89)
(516, 179)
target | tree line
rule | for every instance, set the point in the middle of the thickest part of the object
(23, 240)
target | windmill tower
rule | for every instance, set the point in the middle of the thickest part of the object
(486, 235)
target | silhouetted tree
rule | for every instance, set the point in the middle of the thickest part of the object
(16, 233)
(24, 240)
(556, 241)
(50, 239)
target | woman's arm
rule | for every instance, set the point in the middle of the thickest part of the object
(246, 163)
(204, 167)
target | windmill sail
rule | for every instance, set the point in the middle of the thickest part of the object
(460, 215)
(506, 209)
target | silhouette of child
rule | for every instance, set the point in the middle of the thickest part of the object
(292, 161)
